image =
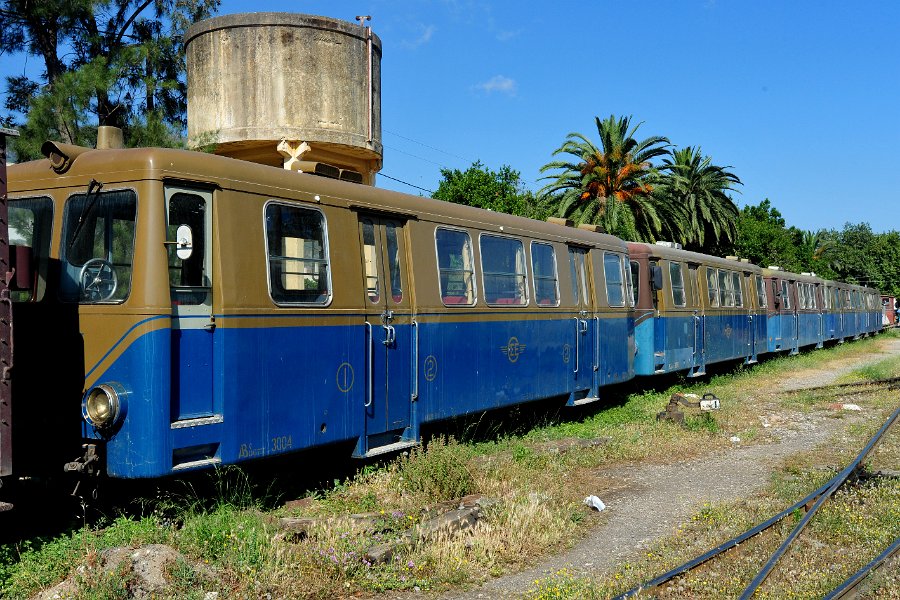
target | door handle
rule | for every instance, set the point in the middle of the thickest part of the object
(390, 335)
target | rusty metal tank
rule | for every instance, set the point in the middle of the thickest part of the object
(285, 89)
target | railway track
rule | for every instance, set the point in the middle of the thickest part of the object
(811, 504)
(855, 387)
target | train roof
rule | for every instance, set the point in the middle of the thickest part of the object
(133, 164)
(669, 253)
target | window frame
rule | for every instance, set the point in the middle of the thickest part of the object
(437, 257)
(622, 287)
(534, 277)
(64, 248)
(634, 276)
(525, 289)
(39, 263)
(786, 295)
(675, 304)
(761, 297)
(325, 244)
(712, 286)
(737, 281)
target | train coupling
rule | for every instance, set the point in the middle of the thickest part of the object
(87, 464)
(673, 412)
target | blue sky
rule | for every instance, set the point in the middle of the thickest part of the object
(800, 98)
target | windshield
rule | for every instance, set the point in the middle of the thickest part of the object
(99, 252)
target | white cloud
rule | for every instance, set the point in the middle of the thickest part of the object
(424, 37)
(498, 83)
(506, 35)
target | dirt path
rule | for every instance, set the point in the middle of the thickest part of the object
(652, 500)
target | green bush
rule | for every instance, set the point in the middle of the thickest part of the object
(438, 471)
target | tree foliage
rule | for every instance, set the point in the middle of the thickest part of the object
(106, 62)
(854, 254)
(499, 191)
(610, 184)
(696, 188)
(764, 238)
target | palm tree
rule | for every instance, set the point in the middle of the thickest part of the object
(815, 250)
(690, 180)
(609, 185)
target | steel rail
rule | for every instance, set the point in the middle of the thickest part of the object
(841, 478)
(653, 583)
(888, 381)
(854, 580)
(824, 491)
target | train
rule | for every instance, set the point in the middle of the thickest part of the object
(176, 310)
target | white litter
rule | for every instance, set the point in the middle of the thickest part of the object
(735, 439)
(851, 407)
(595, 502)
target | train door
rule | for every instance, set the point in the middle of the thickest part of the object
(792, 312)
(583, 323)
(750, 305)
(699, 317)
(818, 304)
(388, 336)
(188, 234)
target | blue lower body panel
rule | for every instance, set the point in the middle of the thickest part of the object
(272, 390)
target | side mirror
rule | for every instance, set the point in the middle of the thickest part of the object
(656, 277)
(21, 264)
(184, 242)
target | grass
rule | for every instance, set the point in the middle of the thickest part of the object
(231, 543)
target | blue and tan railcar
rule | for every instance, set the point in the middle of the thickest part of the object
(693, 310)
(872, 307)
(797, 309)
(853, 311)
(191, 310)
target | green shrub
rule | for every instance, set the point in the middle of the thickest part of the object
(438, 471)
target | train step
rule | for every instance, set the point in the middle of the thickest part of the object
(5, 506)
(395, 447)
(587, 400)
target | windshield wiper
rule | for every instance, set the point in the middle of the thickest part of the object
(94, 188)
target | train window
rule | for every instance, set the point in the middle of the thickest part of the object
(635, 288)
(393, 260)
(373, 288)
(615, 282)
(826, 296)
(503, 270)
(761, 291)
(31, 224)
(738, 293)
(456, 266)
(543, 268)
(786, 294)
(188, 278)
(98, 245)
(724, 289)
(677, 278)
(579, 276)
(712, 287)
(296, 243)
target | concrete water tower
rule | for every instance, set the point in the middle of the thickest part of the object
(280, 88)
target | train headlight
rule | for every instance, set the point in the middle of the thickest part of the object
(104, 406)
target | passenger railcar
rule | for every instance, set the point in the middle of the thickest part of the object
(181, 310)
(693, 310)
(808, 311)
(210, 311)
